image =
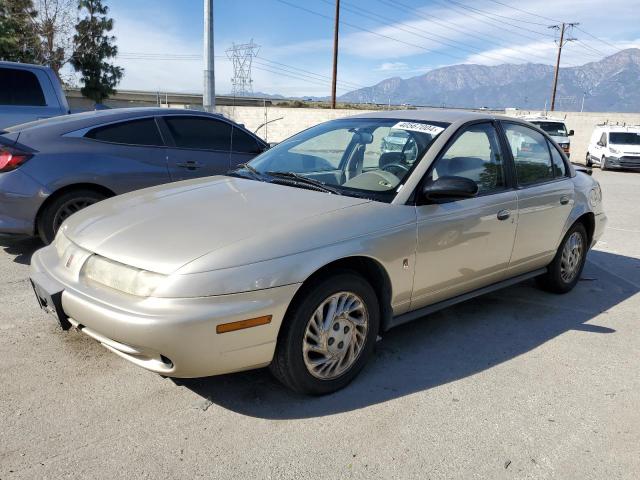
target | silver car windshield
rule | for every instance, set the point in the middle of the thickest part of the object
(351, 156)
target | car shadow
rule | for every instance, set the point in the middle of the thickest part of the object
(21, 248)
(443, 347)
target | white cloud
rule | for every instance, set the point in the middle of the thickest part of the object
(392, 67)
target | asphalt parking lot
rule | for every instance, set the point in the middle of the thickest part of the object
(517, 384)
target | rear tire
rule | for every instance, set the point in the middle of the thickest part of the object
(61, 208)
(564, 271)
(328, 334)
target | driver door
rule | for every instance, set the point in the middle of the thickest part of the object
(466, 244)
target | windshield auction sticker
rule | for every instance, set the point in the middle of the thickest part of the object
(418, 127)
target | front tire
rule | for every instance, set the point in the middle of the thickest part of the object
(564, 271)
(61, 208)
(588, 160)
(328, 334)
(603, 163)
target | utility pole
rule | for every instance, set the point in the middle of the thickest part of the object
(335, 55)
(209, 95)
(561, 43)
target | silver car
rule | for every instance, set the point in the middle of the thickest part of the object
(52, 168)
(301, 258)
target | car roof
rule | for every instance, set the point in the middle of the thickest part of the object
(97, 117)
(433, 115)
(619, 128)
(26, 66)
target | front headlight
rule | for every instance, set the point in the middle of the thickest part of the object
(595, 196)
(614, 150)
(119, 276)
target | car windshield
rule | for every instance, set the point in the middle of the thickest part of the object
(624, 138)
(358, 157)
(556, 129)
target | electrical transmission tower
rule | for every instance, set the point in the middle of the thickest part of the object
(242, 57)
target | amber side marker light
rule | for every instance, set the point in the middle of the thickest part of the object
(242, 324)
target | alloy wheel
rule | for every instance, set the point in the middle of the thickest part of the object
(335, 335)
(571, 260)
(69, 208)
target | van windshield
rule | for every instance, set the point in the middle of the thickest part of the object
(555, 129)
(624, 138)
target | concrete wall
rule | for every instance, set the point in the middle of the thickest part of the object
(287, 121)
(283, 122)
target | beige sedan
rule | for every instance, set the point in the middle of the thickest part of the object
(301, 258)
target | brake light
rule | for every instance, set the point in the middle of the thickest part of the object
(12, 159)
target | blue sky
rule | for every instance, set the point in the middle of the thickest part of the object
(161, 40)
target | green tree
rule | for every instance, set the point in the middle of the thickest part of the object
(18, 38)
(93, 47)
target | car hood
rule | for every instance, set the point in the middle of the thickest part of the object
(626, 149)
(163, 228)
(559, 139)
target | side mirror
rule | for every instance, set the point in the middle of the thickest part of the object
(273, 144)
(571, 132)
(600, 144)
(452, 188)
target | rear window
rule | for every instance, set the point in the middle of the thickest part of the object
(143, 132)
(20, 87)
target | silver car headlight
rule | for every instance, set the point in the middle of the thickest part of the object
(121, 277)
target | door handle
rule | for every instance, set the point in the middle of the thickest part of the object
(564, 200)
(189, 164)
(503, 214)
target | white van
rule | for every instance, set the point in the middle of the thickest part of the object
(28, 93)
(615, 146)
(555, 128)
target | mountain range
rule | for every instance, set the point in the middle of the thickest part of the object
(609, 85)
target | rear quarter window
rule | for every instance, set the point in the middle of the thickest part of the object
(20, 88)
(143, 132)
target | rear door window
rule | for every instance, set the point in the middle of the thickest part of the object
(530, 154)
(199, 133)
(20, 87)
(135, 132)
(559, 168)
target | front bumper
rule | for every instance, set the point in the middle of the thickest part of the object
(600, 224)
(174, 337)
(624, 163)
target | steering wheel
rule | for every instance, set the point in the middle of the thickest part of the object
(398, 169)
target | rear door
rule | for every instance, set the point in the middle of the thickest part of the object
(201, 146)
(545, 197)
(131, 154)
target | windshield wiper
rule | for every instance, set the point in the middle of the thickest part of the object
(306, 180)
(245, 166)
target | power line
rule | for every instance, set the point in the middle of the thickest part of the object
(599, 39)
(429, 35)
(489, 15)
(370, 31)
(525, 11)
(454, 27)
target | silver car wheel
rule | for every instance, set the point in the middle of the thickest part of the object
(69, 208)
(335, 335)
(571, 257)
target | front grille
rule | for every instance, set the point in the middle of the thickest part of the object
(630, 161)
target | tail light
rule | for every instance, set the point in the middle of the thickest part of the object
(10, 159)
